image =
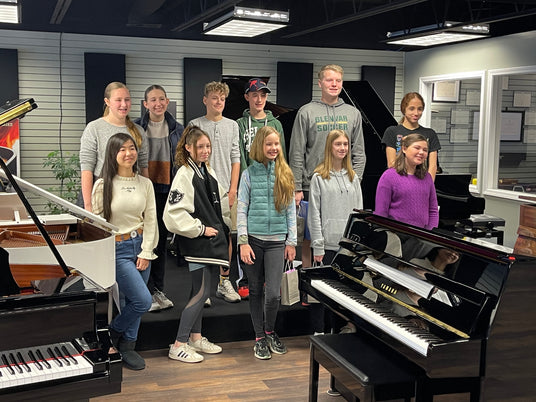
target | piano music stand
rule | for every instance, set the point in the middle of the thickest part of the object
(481, 226)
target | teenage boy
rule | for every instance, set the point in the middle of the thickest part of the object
(253, 118)
(224, 159)
(312, 124)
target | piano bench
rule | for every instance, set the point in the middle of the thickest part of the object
(360, 370)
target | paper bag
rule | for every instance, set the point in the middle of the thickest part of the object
(290, 292)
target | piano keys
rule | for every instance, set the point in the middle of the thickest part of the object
(446, 304)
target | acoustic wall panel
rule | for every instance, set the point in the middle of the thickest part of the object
(99, 70)
(9, 71)
(198, 72)
(294, 84)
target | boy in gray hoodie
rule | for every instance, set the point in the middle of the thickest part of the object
(311, 127)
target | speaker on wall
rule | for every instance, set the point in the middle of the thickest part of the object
(99, 70)
(382, 79)
(294, 84)
(9, 70)
(197, 73)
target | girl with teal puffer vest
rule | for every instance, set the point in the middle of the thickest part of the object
(266, 224)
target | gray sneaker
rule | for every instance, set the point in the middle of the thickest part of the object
(162, 300)
(227, 292)
(155, 306)
(275, 344)
(261, 350)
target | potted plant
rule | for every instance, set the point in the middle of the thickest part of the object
(66, 169)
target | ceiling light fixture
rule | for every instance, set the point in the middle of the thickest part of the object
(440, 34)
(10, 11)
(247, 22)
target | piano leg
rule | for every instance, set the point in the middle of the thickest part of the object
(313, 376)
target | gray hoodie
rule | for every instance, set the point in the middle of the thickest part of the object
(312, 124)
(330, 203)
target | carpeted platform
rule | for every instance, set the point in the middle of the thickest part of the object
(223, 322)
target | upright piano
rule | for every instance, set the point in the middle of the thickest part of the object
(56, 275)
(461, 310)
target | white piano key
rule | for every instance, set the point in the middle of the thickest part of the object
(42, 366)
(386, 322)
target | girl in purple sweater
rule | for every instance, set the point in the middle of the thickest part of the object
(406, 192)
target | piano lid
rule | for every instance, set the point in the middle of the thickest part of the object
(73, 209)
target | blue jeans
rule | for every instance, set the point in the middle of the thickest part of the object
(132, 287)
(264, 279)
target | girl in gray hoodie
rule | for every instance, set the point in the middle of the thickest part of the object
(335, 191)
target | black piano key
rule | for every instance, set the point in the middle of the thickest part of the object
(61, 356)
(53, 356)
(69, 355)
(8, 366)
(17, 367)
(23, 362)
(34, 359)
(42, 358)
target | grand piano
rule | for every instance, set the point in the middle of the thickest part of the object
(459, 310)
(56, 278)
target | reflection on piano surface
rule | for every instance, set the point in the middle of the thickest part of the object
(54, 340)
(436, 300)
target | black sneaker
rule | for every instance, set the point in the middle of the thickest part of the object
(261, 350)
(275, 344)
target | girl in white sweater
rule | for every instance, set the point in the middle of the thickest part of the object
(126, 199)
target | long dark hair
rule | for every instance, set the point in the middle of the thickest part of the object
(110, 167)
(400, 162)
(190, 136)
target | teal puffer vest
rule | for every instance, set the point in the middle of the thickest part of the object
(263, 218)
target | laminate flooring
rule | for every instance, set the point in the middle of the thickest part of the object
(234, 375)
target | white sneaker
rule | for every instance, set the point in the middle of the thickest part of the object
(208, 303)
(205, 346)
(184, 353)
(155, 306)
(162, 300)
(227, 292)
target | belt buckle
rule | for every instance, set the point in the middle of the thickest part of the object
(133, 234)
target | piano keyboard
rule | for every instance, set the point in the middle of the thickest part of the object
(41, 363)
(399, 328)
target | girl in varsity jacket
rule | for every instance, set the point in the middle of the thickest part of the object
(195, 211)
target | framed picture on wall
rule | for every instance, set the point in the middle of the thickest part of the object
(446, 91)
(511, 126)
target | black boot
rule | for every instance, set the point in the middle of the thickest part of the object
(131, 358)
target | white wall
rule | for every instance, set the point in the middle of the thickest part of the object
(51, 70)
(505, 52)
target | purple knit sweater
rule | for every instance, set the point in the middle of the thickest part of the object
(407, 199)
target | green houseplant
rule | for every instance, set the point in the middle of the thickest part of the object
(66, 169)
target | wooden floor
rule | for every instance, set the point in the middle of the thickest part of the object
(233, 375)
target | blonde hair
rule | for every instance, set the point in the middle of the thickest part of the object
(134, 133)
(190, 136)
(326, 165)
(219, 87)
(284, 179)
(333, 67)
(400, 162)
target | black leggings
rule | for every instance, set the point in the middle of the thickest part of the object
(192, 314)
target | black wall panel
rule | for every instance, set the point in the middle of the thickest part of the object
(9, 71)
(294, 87)
(100, 69)
(382, 79)
(198, 72)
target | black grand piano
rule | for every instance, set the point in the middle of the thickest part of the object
(54, 339)
(460, 312)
